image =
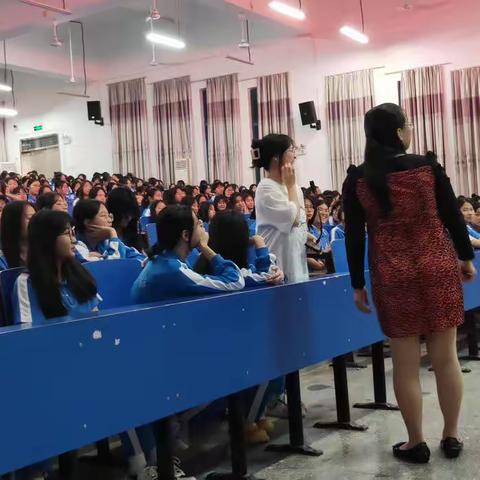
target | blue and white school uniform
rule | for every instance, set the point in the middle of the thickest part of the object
(110, 249)
(252, 225)
(324, 242)
(26, 308)
(166, 277)
(329, 225)
(31, 199)
(260, 270)
(472, 233)
(338, 232)
(3, 262)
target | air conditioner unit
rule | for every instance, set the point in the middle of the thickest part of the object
(182, 170)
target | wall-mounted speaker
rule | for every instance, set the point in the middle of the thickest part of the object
(95, 112)
(308, 114)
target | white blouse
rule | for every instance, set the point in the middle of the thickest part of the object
(276, 216)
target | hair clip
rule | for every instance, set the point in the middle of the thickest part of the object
(255, 153)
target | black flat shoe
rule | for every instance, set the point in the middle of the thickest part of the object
(451, 447)
(418, 454)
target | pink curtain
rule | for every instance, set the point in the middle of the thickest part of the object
(128, 115)
(223, 113)
(173, 127)
(422, 96)
(466, 119)
(3, 141)
(349, 97)
(274, 104)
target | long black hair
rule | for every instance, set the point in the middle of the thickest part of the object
(43, 231)
(171, 222)
(269, 147)
(85, 210)
(47, 200)
(11, 232)
(229, 237)
(381, 127)
(203, 211)
(122, 204)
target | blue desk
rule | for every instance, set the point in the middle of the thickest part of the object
(70, 384)
(66, 385)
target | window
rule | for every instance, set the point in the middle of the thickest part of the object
(255, 127)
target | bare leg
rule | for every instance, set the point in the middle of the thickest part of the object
(406, 382)
(442, 348)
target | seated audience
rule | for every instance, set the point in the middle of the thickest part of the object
(56, 285)
(338, 232)
(166, 275)
(122, 204)
(14, 234)
(95, 233)
(205, 213)
(314, 248)
(220, 203)
(51, 201)
(98, 193)
(468, 211)
(33, 186)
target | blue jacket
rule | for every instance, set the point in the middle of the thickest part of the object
(26, 308)
(110, 249)
(260, 270)
(472, 232)
(166, 277)
(338, 232)
(324, 237)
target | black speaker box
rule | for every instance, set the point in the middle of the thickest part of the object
(94, 110)
(308, 113)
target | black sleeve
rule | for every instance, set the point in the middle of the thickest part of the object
(354, 230)
(450, 214)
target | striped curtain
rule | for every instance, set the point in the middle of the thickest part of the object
(223, 113)
(3, 141)
(275, 111)
(128, 115)
(172, 110)
(349, 97)
(466, 119)
(422, 97)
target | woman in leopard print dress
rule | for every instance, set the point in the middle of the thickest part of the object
(416, 241)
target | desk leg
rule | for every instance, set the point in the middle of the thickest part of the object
(472, 338)
(236, 422)
(295, 421)
(341, 396)
(164, 439)
(67, 463)
(379, 387)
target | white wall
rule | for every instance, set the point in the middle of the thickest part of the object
(308, 62)
(89, 149)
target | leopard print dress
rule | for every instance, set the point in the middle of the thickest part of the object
(416, 284)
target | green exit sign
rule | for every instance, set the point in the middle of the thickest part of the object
(38, 128)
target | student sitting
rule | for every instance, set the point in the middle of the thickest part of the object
(95, 233)
(314, 247)
(51, 201)
(98, 193)
(167, 276)
(229, 237)
(468, 211)
(206, 212)
(56, 285)
(14, 234)
(155, 208)
(220, 203)
(237, 203)
(339, 231)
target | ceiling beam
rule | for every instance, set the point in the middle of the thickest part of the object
(45, 6)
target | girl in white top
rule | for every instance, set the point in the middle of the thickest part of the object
(280, 209)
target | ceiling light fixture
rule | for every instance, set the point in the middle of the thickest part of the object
(288, 10)
(165, 40)
(44, 6)
(8, 112)
(5, 88)
(354, 34)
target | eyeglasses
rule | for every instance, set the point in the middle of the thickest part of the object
(71, 233)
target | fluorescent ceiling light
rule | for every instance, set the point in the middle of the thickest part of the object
(354, 34)
(165, 40)
(7, 112)
(288, 10)
(5, 88)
